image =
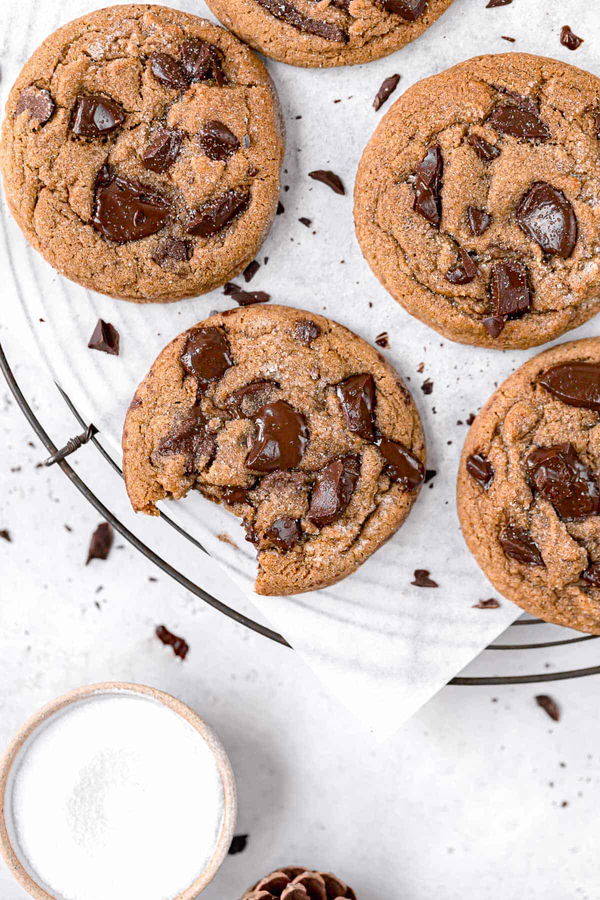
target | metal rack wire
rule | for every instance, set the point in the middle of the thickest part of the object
(58, 456)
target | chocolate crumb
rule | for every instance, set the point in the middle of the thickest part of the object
(305, 221)
(251, 270)
(421, 368)
(568, 39)
(422, 579)
(105, 337)
(382, 340)
(101, 542)
(487, 604)
(427, 386)
(238, 844)
(280, 208)
(387, 88)
(329, 178)
(470, 418)
(549, 705)
(494, 3)
(5, 535)
(429, 474)
(180, 647)
(505, 37)
(227, 539)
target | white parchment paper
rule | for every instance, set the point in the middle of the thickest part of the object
(381, 645)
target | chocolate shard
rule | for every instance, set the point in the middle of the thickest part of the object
(217, 141)
(247, 400)
(493, 3)
(519, 120)
(484, 150)
(568, 39)
(283, 533)
(574, 383)
(217, 214)
(306, 331)
(422, 579)
(428, 186)
(329, 178)
(288, 13)
(105, 337)
(388, 86)
(480, 469)
(96, 116)
(494, 325)
(401, 465)
(549, 705)
(163, 150)
(492, 603)
(179, 646)
(169, 71)
(591, 575)
(206, 354)
(248, 298)
(251, 270)
(383, 340)
(479, 220)
(518, 544)
(410, 10)
(333, 490)
(202, 60)
(173, 250)
(37, 102)
(281, 438)
(464, 270)
(546, 216)
(559, 476)
(357, 398)
(126, 210)
(238, 844)
(509, 289)
(101, 542)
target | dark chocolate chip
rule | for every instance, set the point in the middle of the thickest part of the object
(105, 337)
(518, 544)
(126, 210)
(37, 102)
(180, 647)
(96, 116)
(480, 468)
(217, 214)
(202, 60)
(492, 603)
(169, 71)
(575, 383)
(546, 216)
(163, 150)
(509, 291)
(464, 270)
(401, 465)
(385, 91)
(591, 575)
(306, 331)
(206, 354)
(329, 178)
(287, 12)
(382, 340)
(173, 250)
(100, 543)
(238, 844)
(559, 476)
(494, 325)
(479, 220)
(283, 533)
(333, 490)
(217, 141)
(422, 579)
(248, 298)
(428, 186)
(568, 39)
(357, 398)
(484, 150)
(410, 10)
(280, 440)
(549, 705)
(519, 121)
(251, 270)
(247, 400)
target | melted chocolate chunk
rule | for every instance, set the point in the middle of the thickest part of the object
(401, 465)
(95, 116)
(479, 220)
(105, 337)
(568, 39)
(126, 210)
(333, 490)
(575, 383)
(410, 10)
(202, 60)
(480, 468)
(163, 150)
(428, 185)
(484, 150)
(248, 298)
(283, 533)
(387, 88)
(560, 477)
(235, 495)
(173, 250)
(357, 398)
(306, 331)
(246, 401)
(280, 440)
(591, 575)
(179, 646)
(101, 542)
(217, 141)
(287, 12)
(169, 71)
(546, 216)
(518, 544)
(217, 214)
(329, 178)
(519, 120)
(549, 705)
(37, 102)
(509, 290)
(206, 354)
(465, 269)
(422, 579)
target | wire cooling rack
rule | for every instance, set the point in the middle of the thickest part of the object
(58, 456)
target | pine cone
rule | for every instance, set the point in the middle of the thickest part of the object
(294, 883)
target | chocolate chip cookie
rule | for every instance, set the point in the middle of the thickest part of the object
(334, 33)
(477, 201)
(295, 424)
(528, 486)
(141, 152)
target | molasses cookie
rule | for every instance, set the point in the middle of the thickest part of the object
(295, 424)
(334, 33)
(477, 201)
(141, 153)
(529, 488)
